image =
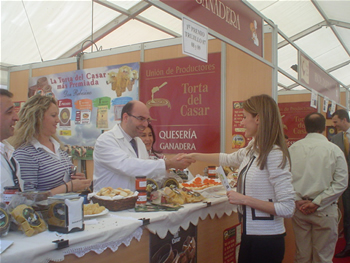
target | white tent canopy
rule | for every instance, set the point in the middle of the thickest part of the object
(35, 31)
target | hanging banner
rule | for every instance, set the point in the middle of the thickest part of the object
(183, 96)
(317, 79)
(89, 102)
(232, 19)
(293, 114)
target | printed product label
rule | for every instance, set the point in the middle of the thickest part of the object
(4, 219)
(31, 216)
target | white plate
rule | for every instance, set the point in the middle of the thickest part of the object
(100, 214)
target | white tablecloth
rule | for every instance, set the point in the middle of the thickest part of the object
(162, 222)
(110, 231)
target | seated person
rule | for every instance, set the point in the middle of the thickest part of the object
(44, 165)
(120, 155)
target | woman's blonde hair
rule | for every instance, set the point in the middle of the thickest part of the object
(30, 119)
(270, 129)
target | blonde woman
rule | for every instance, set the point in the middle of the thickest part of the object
(264, 193)
(44, 165)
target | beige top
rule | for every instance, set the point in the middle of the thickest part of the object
(319, 170)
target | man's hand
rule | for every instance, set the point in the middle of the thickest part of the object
(179, 161)
(307, 207)
(299, 203)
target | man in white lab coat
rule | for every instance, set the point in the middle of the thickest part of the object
(117, 161)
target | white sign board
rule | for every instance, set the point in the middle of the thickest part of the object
(194, 39)
(325, 104)
(313, 102)
(333, 107)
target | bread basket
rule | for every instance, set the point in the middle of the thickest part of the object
(116, 205)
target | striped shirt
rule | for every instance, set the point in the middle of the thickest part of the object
(273, 184)
(42, 170)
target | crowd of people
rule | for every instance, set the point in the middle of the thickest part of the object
(302, 182)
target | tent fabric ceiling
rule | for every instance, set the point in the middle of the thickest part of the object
(35, 31)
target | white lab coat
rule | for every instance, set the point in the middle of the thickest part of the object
(6, 178)
(116, 163)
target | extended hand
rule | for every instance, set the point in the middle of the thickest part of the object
(179, 161)
(181, 156)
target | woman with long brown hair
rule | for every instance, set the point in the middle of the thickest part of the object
(264, 193)
(149, 138)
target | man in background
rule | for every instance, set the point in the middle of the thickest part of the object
(120, 155)
(9, 166)
(340, 119)
(320, 175)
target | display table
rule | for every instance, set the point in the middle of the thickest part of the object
(117, 231)
(108, 232)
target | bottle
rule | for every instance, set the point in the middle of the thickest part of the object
(212, 171)
(141, 198)
(9, 192)
(140, 183)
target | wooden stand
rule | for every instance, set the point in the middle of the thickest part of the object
(209, 244)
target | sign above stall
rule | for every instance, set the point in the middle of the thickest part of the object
(194, 39)
(232, 19)
(317, 79)
(183, 96)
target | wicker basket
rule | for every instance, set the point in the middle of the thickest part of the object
(116, 205)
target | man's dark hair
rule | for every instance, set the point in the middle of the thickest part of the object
(5, 92)
(315, 122)
(127, 109)
(342, 114)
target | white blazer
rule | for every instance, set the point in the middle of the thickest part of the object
(116, 163)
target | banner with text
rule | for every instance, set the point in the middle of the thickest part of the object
(293, 114)
(232, 19)
(89, 102)
(183, 96)
(317, 79)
